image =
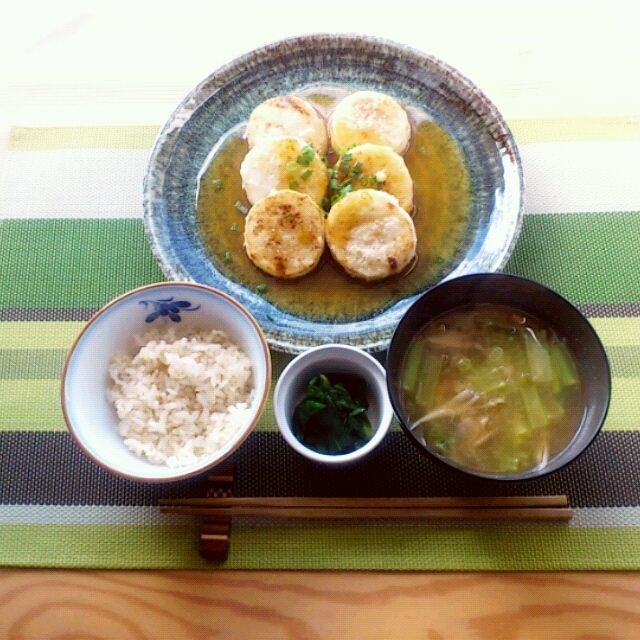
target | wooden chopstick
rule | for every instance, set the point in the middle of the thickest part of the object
(327, 513)
(485, 508)
(360, 503)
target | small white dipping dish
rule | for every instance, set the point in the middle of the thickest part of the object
(332, 358)
(91, 418)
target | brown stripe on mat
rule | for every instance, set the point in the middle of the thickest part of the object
(46, 315)
(612, 310)
(48, 468)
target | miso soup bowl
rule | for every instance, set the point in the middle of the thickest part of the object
(530, 298)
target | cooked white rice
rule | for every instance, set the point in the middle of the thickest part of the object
(180, 398)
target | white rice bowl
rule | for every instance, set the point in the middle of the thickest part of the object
(180, 398)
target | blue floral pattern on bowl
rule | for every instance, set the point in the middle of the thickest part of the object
(167, 307)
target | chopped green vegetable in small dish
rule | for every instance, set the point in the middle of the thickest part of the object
(332, 418)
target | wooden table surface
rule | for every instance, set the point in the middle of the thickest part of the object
(323, 605)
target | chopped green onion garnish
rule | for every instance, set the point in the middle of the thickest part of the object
(292, 167)
(293, 185)
(357, 167)
(241, 207)
(234, 227)
(346, 188)
(305, 174)
(217, 184)
(227, 257)
(261, 288)
(347, 156)
(306, 156)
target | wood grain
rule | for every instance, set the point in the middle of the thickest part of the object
(318, 605)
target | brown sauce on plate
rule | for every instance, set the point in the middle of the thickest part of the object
(442, 205)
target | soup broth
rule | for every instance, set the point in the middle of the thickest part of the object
(491, 389)
(442, 217)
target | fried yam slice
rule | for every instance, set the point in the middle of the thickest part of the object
(369, 116)
(283, 163)
(380, 166)
(370, 234)
(287, 116)
(284, 234)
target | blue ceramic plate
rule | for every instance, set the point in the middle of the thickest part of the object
(224, 100)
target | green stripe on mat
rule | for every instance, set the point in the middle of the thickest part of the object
(49, 259)
(72, 263)
(46, 364)
(587, 257)
(31, 405)
(39, 334)
(31, 364)
(104, 546)
(625, 361)
(525, 131)
(450, 548)
(615, 333)
(472, 548)
(623, 412)
(34, 405)
(30, 394)
(29, 384)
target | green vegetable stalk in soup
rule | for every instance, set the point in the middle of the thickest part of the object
(491, 390)
(332, 417)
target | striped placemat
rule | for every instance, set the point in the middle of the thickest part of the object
(72, 238)
(58, 270)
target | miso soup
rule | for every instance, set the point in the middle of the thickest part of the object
(491, 389)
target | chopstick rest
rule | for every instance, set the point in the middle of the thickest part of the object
(215, 533)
